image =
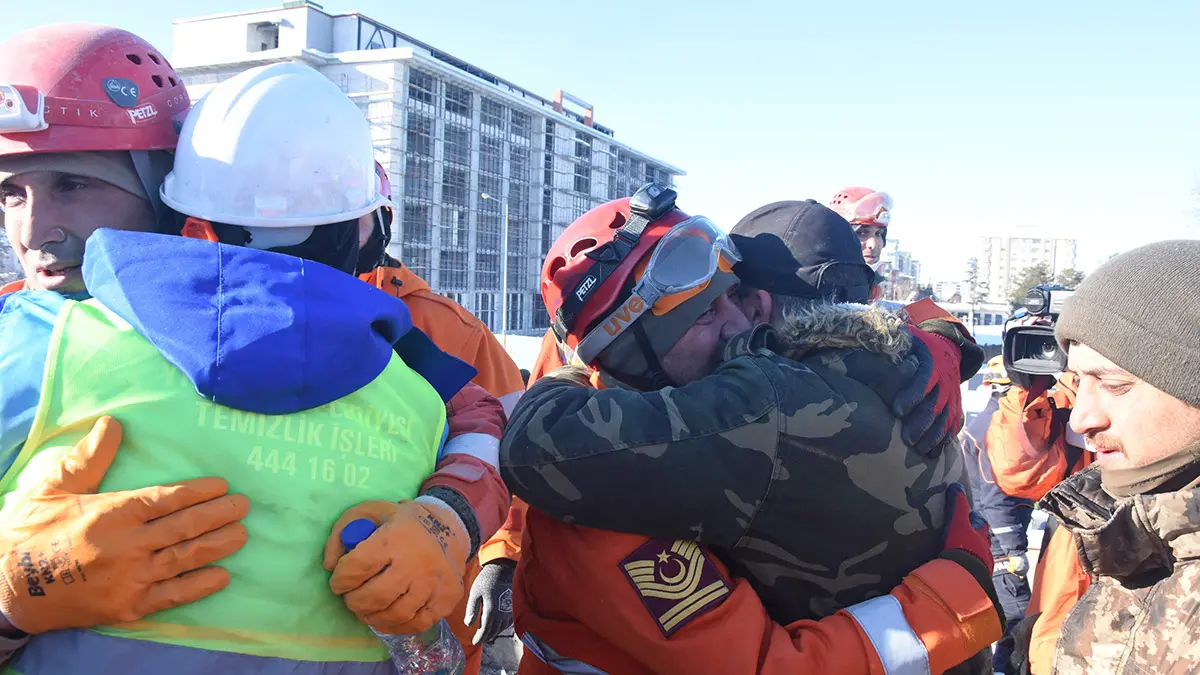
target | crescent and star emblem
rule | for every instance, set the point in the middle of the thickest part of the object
(676, 581)
(666, 559)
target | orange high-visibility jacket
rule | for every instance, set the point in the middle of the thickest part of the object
(1027, 445)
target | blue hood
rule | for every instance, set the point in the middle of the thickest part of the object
(255, 330)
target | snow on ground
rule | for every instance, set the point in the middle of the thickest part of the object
(522, 348)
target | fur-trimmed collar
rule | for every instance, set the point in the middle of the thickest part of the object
(844, 326)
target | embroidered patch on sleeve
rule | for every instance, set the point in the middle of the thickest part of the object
(676, 581)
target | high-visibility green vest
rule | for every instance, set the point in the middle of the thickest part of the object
(299, 471)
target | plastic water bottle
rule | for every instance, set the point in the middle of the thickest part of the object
(434, 652)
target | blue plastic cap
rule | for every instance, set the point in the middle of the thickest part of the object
(356, 532)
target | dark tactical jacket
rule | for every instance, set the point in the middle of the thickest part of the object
(1142, 612)
(790, 465)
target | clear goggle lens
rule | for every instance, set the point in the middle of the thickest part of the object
(874, 209)
(688, 256)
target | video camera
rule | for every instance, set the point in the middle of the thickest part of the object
(1032, 350)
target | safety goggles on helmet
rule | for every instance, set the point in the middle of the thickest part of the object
(681, 266)
(874, 209)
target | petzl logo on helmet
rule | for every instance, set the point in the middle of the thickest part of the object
(143, 114)
(585, 287)
(123, 92)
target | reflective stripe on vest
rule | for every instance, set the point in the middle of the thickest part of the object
(299, 471)
(898, 647)
(58, 653)
(563, 664)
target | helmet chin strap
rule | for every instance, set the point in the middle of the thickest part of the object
(150, 181)
(373, 252)
(655, 373)
(648, 375)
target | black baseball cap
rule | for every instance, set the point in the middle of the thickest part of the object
(802, 249)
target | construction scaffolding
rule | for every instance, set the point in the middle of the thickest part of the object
(10, 267)
(464, 168)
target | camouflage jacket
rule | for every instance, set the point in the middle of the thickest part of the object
(1142, 611)
(790, 465)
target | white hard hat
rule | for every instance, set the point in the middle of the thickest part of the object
(275, 147)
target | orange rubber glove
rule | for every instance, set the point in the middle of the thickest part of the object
(70, 558)
(408, 574)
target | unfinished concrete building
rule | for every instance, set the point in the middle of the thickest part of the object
(448, 133)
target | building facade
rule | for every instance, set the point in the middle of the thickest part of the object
(10, 267)
(900, 273)
(470, 155)
(1003, 259)
(949, 291)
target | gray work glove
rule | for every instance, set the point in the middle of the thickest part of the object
(491, 597)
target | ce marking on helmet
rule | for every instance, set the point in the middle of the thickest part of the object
(116, 87)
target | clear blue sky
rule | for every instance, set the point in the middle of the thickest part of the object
(1066, 118)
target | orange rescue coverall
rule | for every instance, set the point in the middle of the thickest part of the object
(1027, 445)
(460, 333)
(943, 604)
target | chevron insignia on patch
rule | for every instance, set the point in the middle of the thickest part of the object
(676, 581)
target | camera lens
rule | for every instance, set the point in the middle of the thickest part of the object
(1049, 351)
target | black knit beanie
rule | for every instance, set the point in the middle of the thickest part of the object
(1141, 310)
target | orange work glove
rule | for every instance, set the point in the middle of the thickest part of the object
(70, 558)
(408, 574)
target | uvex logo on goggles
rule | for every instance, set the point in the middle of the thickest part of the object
(624, 315)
